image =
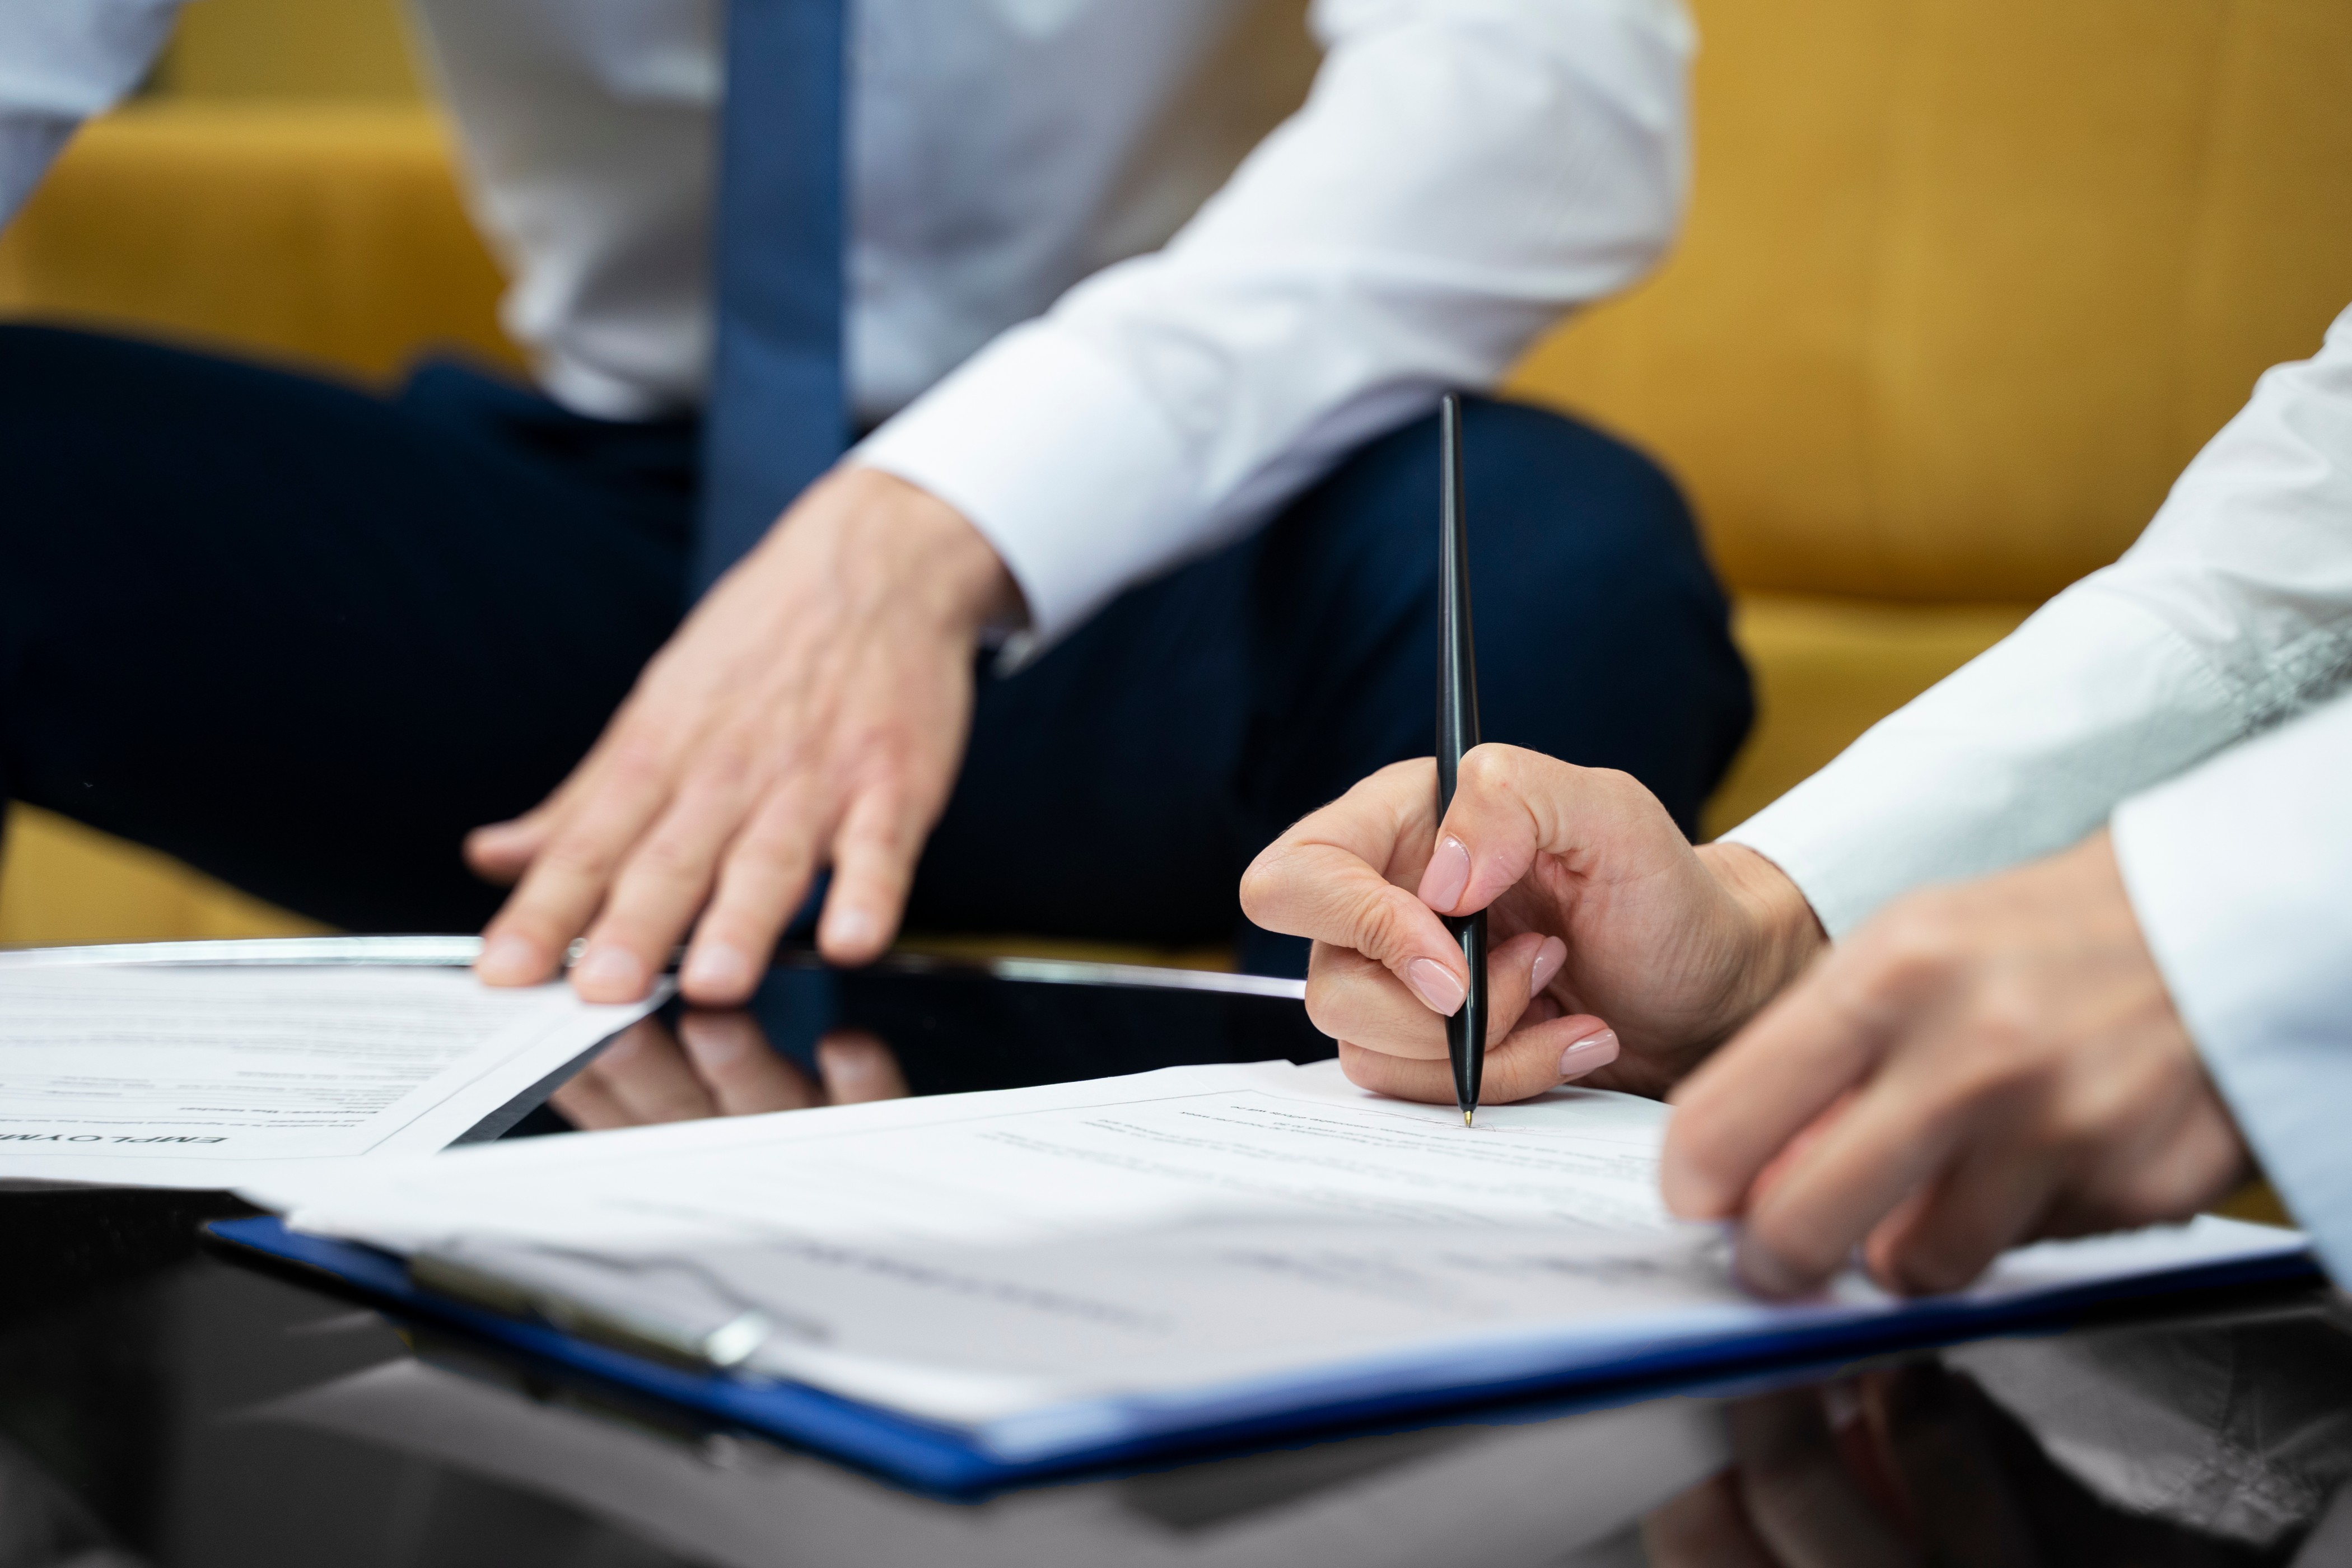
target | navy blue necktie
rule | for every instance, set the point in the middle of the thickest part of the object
(778, 410)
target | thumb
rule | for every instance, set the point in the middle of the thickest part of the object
(1511, 806)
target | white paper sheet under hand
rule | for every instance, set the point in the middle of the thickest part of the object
(206, 1077)
(1051, 1267)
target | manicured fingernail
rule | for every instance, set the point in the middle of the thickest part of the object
(716, 967)
(1592, 1051)
(612, 970)
(508, 958)
(1760, 1270)
(1434, 984)
(1548, 958)
(1449, 873)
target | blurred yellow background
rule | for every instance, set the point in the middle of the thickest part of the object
(1965, 283)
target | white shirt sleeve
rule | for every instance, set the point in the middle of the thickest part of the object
(62, 61)
(1462, 173)
(2238, 871)
(2232, 610)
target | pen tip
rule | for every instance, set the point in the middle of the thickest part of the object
(1466, 1115)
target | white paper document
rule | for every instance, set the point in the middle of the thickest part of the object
(1057, 1267)
(206, 1075)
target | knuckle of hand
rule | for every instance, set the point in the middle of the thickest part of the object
(1616, 782)
(1919, 944)
(2009, 1038)
(1381, 930)
(671, 858)
(1485, 767)
(2079, 1124)
(773, 839)
(580, 858)
(638, 759)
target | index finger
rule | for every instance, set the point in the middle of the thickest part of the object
(568, 881)
(1328, 878)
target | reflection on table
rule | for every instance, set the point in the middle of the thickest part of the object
(712, 1064)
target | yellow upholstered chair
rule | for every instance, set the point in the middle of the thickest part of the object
(1965, 283)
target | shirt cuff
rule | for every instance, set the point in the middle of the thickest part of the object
(28, 145)
(2236, 871)
(1060, 460)
(2018, 753)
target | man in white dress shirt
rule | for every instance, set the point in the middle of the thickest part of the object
(2088, 896)
(1144, 426)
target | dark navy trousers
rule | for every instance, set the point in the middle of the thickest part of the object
(304, 637)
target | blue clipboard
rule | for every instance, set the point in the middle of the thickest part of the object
(947, 1459)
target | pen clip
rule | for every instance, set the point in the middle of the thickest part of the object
(722, 1348)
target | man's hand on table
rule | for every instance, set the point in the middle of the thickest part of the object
(1978, 1066)
(720, 1064)
(812, 710)
(1620, 954)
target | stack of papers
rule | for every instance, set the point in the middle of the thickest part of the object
(117, 1067)
(1085, 1269)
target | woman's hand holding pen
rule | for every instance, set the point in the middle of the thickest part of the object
(1620, 954)
(1976, 1067)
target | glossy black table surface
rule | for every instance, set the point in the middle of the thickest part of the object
(162, 1405)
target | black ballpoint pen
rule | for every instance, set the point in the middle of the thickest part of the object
(1457, 732)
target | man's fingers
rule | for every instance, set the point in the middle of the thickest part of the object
(568, 881)
(1864, 1163)
(745, 1074)
(1817, 1040)
(1350, 997)
(1534, 1058)
(873, 863)
(662, 885)
(501, 852)
(1991, 1197)
(760, 885)
(857, 1067)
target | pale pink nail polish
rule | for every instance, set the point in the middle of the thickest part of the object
(1548, 958)
(1448, 876)
(1592, 1051)
(1434, 984)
